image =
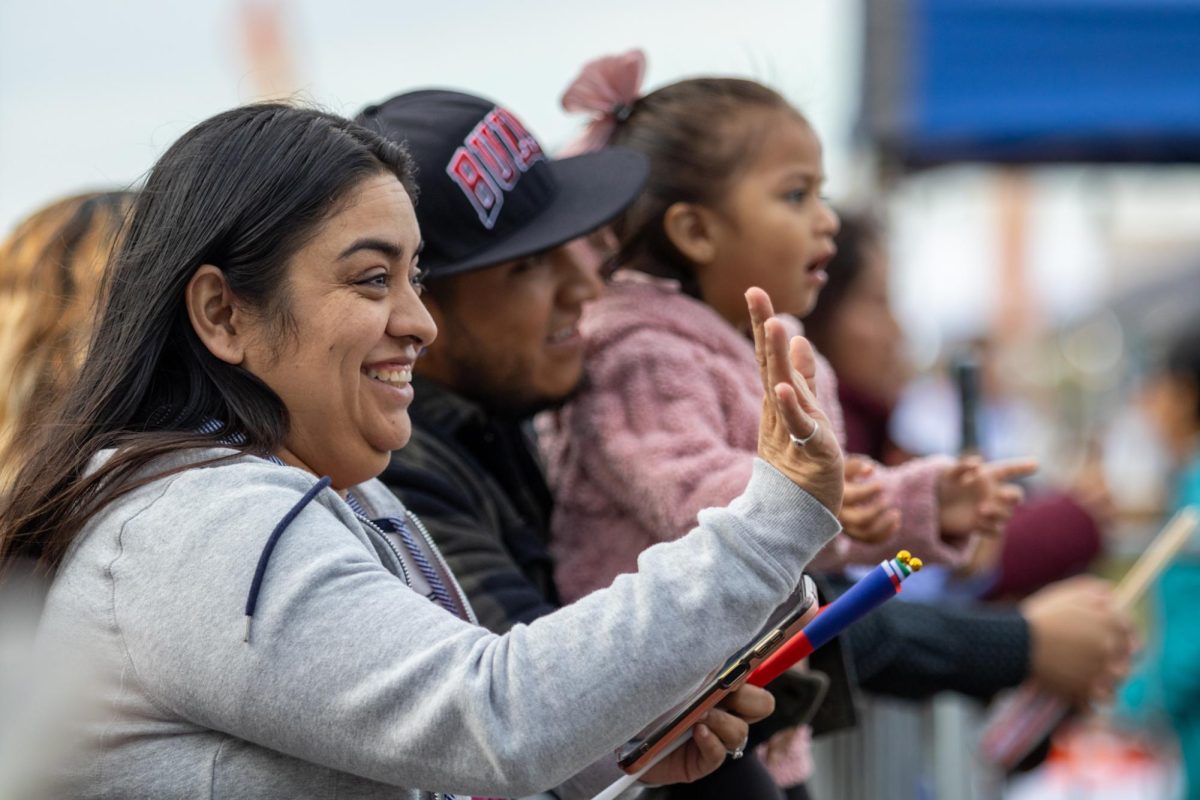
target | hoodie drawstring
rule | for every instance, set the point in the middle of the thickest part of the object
(269, 548)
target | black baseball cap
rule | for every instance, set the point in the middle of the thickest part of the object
(488, 192)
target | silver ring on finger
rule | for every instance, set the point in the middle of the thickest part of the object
(796, 440)
(740, 750)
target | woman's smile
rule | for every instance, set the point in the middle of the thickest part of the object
(393, 377)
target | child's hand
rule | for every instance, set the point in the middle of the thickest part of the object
(864, 515)
(974, 497)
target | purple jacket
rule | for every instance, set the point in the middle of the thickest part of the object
(666, 424)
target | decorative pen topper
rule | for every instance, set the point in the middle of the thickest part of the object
(904, 564)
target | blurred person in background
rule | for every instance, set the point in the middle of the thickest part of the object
(1052, 535)
(1166, 685)
(50, 270)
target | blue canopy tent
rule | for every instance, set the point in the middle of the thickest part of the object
(1033, 80)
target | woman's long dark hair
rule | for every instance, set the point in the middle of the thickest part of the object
(243, 191)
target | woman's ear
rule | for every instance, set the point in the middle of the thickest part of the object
(215, 315)
(690, 228)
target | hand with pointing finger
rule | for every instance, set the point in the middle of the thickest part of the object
(979, 497)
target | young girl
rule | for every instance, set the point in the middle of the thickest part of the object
(664, 424)
(733, 200)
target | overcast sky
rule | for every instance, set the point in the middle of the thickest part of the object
(91, 92)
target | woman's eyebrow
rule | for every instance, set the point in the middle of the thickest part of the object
(390, 249)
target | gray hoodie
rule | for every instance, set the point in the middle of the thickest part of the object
(351, 685)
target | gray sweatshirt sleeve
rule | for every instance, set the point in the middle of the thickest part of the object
(348, 668)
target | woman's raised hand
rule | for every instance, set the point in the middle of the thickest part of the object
(794, 435)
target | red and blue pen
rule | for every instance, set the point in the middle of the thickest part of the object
(869, 593)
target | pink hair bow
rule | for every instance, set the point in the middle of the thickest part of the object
(606, 88)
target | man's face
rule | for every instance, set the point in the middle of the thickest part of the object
(509, 334)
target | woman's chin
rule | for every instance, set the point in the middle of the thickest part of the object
(393, 440)
(368, 461)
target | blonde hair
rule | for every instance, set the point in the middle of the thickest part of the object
(50, 271)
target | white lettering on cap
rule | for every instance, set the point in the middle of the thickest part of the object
(491, 161)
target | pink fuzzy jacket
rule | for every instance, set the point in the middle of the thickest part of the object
(667, 424)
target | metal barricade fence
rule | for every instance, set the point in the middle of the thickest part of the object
(904, 750)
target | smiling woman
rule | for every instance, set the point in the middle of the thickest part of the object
(213, 464)
(343, 372)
